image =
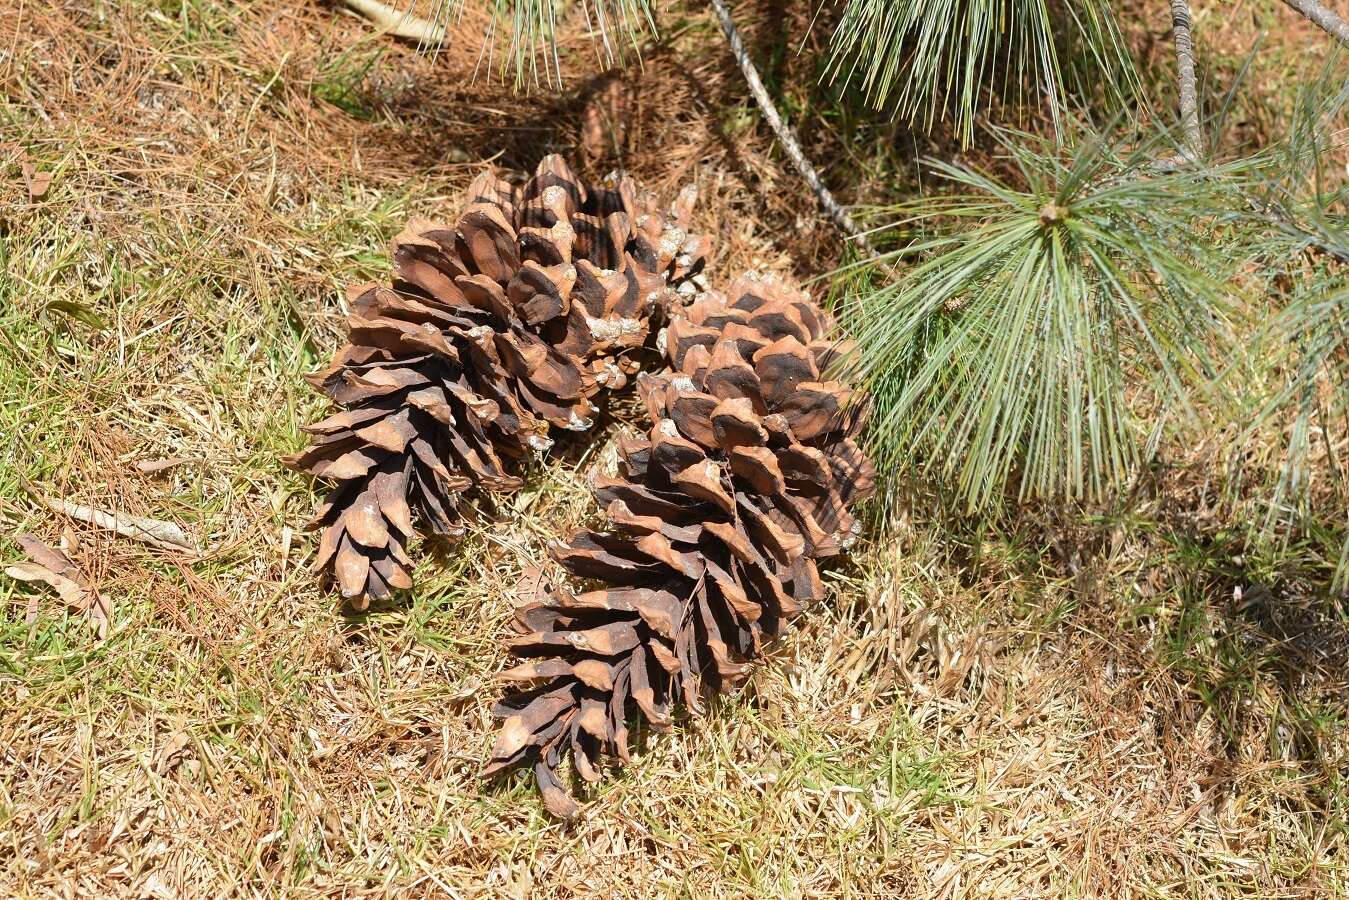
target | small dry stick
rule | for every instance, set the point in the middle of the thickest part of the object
(164, 535)
(1189, 94)
(402, 24)
(784, 133)
(1326, 18)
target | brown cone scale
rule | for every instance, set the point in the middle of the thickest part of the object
(497, 331)
(748, 476)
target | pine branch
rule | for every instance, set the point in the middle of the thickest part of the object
(785, 135)
(1189, 94)
(1326, 18)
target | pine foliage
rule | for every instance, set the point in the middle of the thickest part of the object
(932, 59)
(1031, 323)
(525, 32)
(1298, 219)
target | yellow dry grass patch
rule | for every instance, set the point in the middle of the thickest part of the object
(960, 721)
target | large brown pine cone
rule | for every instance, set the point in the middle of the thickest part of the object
(496, 330)
(748, 476)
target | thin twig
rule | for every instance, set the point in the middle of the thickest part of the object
(155, 532)
(400, 23)
(1327, 19)
(1189, 94)
(786, 136)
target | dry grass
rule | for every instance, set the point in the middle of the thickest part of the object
(983, 716)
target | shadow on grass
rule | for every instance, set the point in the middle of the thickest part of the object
(1251, 630)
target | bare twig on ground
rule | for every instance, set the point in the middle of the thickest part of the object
(785, 135)
(1189, 94)
(165, 535)
(1325, 18)
(399, 23)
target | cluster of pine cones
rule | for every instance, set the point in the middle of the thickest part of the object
(507, 326)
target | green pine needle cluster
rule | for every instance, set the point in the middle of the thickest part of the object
(1032, 323)
(932, 59)
(1299, 227)
(1045, 330)
(529, 31)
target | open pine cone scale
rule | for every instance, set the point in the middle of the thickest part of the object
(717, 519)
(497, 331)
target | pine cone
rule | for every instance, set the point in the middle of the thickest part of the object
(746, 479)
(496, 331)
